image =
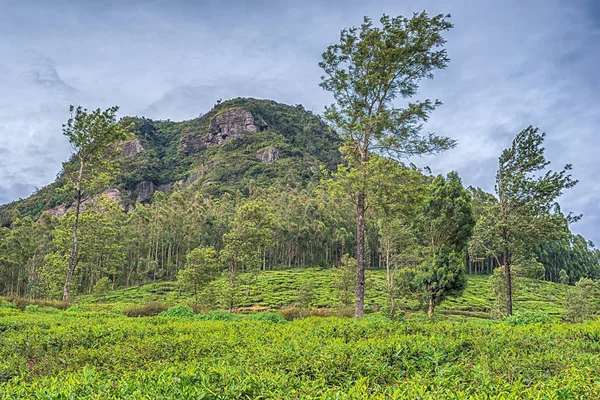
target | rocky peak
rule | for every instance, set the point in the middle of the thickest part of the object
(225, 126)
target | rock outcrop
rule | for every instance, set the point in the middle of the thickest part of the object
(144, 190)
(86, 203)
(269, 155)
(225, 126)
(131, 148)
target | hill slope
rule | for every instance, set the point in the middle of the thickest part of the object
(279, 289)
(239, 144)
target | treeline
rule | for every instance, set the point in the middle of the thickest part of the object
(312, 226)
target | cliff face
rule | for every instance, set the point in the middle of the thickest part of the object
(239, 144)
(228, 125)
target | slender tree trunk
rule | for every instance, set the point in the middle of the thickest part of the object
(360, 256)
(431, 308)
(73, 257)
(508, 283)
(390, 284)
(195, 297)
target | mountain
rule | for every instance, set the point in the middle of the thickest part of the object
(238, 145)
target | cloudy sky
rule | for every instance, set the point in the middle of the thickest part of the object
(514, 63)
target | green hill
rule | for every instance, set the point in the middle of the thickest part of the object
(274, 290)
(238, 145)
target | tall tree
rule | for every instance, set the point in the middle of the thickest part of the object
(93, 137)
(202, 268)
(526, 212)
(366, 72)
(444, 227)
(251, 232)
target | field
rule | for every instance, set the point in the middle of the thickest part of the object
(93, 351)
(81, 355)
(277, 289)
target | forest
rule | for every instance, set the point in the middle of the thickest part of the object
(256, 214)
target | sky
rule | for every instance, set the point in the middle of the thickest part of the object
(513, 63)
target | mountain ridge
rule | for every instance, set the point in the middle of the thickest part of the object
(238, 144)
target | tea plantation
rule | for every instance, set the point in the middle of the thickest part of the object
(93, 351)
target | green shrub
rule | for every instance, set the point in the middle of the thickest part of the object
(527, 318)
(217, 316)
(580, 300)
(268, 316)
(181, 311)
(22, 302)
(44, 310)
(8, 304)
(147, 310)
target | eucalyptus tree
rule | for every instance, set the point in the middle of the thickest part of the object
(93, 136)
(526, 211)
(367, 71)
(201, 268)
(251, 231)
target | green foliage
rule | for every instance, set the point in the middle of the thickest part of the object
(273, 317)
(370, 67)
(217, 316)
(345, 279)
(563, 277)
(528, 317)
(317, 357)
(34, 308)
(444, 226)
(306, 294)
(102, 286)
(526, 212)
(180, 311)
(580, 300)
(202, 268)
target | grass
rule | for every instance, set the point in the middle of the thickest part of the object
(273, 290)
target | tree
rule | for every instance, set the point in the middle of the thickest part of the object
(366, 72)
(563, 277)
(444, 227)
(202, 268)
(93, 136)
(526, 211)
(397, 247)
(251, 232)
(580, 300)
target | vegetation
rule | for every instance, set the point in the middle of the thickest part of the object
(223, 257)
(526, 212)
(93, 136)
(366, 72)
(103, 355)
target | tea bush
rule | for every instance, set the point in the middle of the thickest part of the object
(110, 356)
(146, 310)
(181, 311)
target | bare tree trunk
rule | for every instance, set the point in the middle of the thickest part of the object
(73, 257)
(390, 283)
(508, 284)
(360, 256)
(431, 308)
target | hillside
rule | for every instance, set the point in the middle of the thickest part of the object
(274, 290)
(238, 145)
